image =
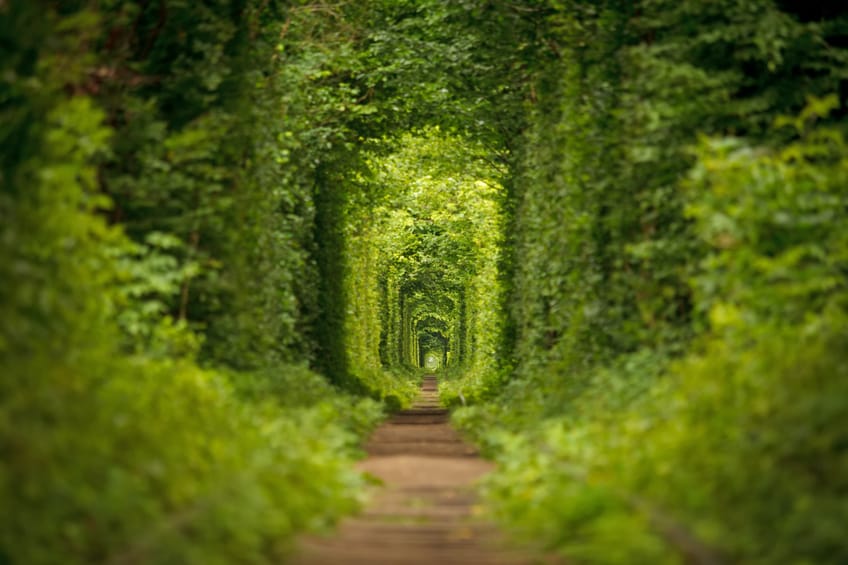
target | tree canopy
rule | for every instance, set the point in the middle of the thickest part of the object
(235, 233)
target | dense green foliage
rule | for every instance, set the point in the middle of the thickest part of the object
(157, 290)
(410, 210)
(678, 301)
(424, 254)
(615, 227)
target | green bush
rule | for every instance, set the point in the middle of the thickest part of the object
(127, 459)
(734, 451)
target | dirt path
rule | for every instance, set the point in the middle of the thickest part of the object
(425, 512)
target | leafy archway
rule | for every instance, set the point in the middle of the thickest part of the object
(423, 254)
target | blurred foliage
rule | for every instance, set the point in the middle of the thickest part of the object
(127, 459)
(678, 288)
(157, 291)
(228, 226)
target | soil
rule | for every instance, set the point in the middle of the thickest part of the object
(426, 510)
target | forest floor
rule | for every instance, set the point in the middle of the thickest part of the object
(425, 511)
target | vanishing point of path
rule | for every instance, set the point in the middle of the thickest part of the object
(425, 511)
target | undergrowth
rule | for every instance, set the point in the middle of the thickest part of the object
(158, 461)
(734, 450)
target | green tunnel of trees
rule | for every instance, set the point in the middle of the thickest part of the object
(235, 233)
(421, 260)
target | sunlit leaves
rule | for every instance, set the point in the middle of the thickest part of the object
(770, 219)
(424, 238)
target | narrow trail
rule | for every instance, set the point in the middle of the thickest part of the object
(425, 511)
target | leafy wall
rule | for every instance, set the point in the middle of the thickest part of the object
(664, 207)
(617, 224)
(157, 287)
